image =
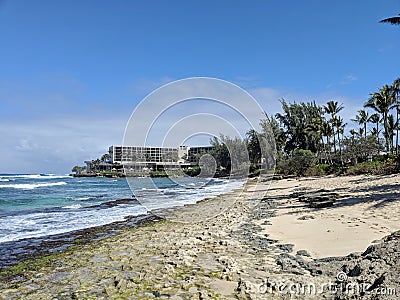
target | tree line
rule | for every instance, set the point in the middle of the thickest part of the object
(320, 129)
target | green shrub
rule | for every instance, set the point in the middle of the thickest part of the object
(333, 169)
(318, 170)
(389, 165)
(314, 171)
(158, 174)
(283, 167)
(192, 171)
(298, 164)
(325, 168)
(373, 167)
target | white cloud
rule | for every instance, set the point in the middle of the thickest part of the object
(146, 85)
(348, 79)
(55, 145)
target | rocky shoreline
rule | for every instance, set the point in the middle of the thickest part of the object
(228, 256)
(12, 253)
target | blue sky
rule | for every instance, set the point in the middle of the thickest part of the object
(71, 72)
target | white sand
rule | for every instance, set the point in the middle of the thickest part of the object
(368, 211)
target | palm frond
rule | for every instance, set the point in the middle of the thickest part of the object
(392, 20)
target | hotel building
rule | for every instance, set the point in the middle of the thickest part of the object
(146, 158)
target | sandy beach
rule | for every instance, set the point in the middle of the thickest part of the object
(248, 251)
(368, 209)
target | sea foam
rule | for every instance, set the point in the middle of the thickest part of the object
(31, 186)
(34, 176)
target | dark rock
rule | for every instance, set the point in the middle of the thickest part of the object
(321, 204)
(266, 222)
(277, 177)
(356, 271)
(316, 198)
(321, 195)
(297, 194)
(291, 264)
(156, 294)
(303, 253)
(369, 250)
(308, 217)
(377, 282)
(286, 247)
(377, 267)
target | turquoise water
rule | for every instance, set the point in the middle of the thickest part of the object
(40, 205)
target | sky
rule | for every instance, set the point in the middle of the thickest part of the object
(72, 72)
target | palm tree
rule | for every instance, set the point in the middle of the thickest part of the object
(396, 91)
(362, 119)
(374, 131)
(340, 130)
(337, 122)
(392, 20)
(375, 119)
(105, 157)
(381, 102)
(392, 126)
(327, 131)
(95, 164)
(353, 133)
(333, 108)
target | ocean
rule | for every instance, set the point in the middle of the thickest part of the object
(36, 207)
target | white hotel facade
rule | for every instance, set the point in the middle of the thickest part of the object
(146, 158)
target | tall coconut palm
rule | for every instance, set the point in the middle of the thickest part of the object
(360, 132)
(381, 102)
(375, 132)
(327, 131)
(392, 126)
(333, 108)
(392, 20)
(105, 157)
(362, 119)
(353, 134)
(341, 130)
(376, 120)
(95, 164)
(337, 122)
(340, 125)
(396, 91)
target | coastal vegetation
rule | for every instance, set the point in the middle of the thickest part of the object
(311, 139)
(78, 169)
